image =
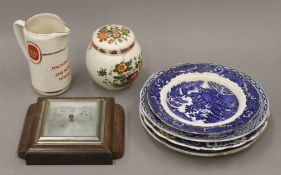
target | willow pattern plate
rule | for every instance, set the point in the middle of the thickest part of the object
(203, 145)
(251, 126)
(203, 98)
(202, 153)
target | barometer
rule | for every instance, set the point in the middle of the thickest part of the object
(73, 131)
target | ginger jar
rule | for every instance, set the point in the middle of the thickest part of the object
(114, 57)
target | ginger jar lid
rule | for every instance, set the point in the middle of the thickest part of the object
(113, 39)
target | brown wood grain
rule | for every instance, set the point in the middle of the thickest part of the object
(112, 146)
(118, 132)
(108, 126)
(29, 129)
(68, 156)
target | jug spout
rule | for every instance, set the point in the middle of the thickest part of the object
(64, 32)
(46, 24)
(46, 31)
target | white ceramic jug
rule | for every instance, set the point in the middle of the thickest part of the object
(43, 39)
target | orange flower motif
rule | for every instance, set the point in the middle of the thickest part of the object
(102, 35)
(116, 35)
(125, 30)
(122, 67)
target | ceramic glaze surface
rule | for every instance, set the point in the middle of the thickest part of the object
(207, 102)
(114, 58)
(189, 151)
(249, 127)
(114, 34)
(113, 37)
(220, 105)
(204, 145)
(204, 99)
(43, 39)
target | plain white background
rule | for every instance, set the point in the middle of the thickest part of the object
(244, 34)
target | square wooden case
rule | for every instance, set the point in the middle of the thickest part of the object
(79, 130)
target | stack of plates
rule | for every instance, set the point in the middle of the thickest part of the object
(203, 109)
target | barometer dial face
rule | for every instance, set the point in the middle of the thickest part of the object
(71, 120)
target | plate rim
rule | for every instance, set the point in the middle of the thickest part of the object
(223, 153)
(261, 129)
(246, 129)
(166, 118)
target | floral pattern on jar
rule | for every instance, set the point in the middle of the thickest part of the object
(122, 74)
(113, 34)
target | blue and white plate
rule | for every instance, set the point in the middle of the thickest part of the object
(216, 146)
(251, 126)
(203, 153)
(203, 98)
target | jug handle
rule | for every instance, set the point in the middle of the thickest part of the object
(18, 30)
